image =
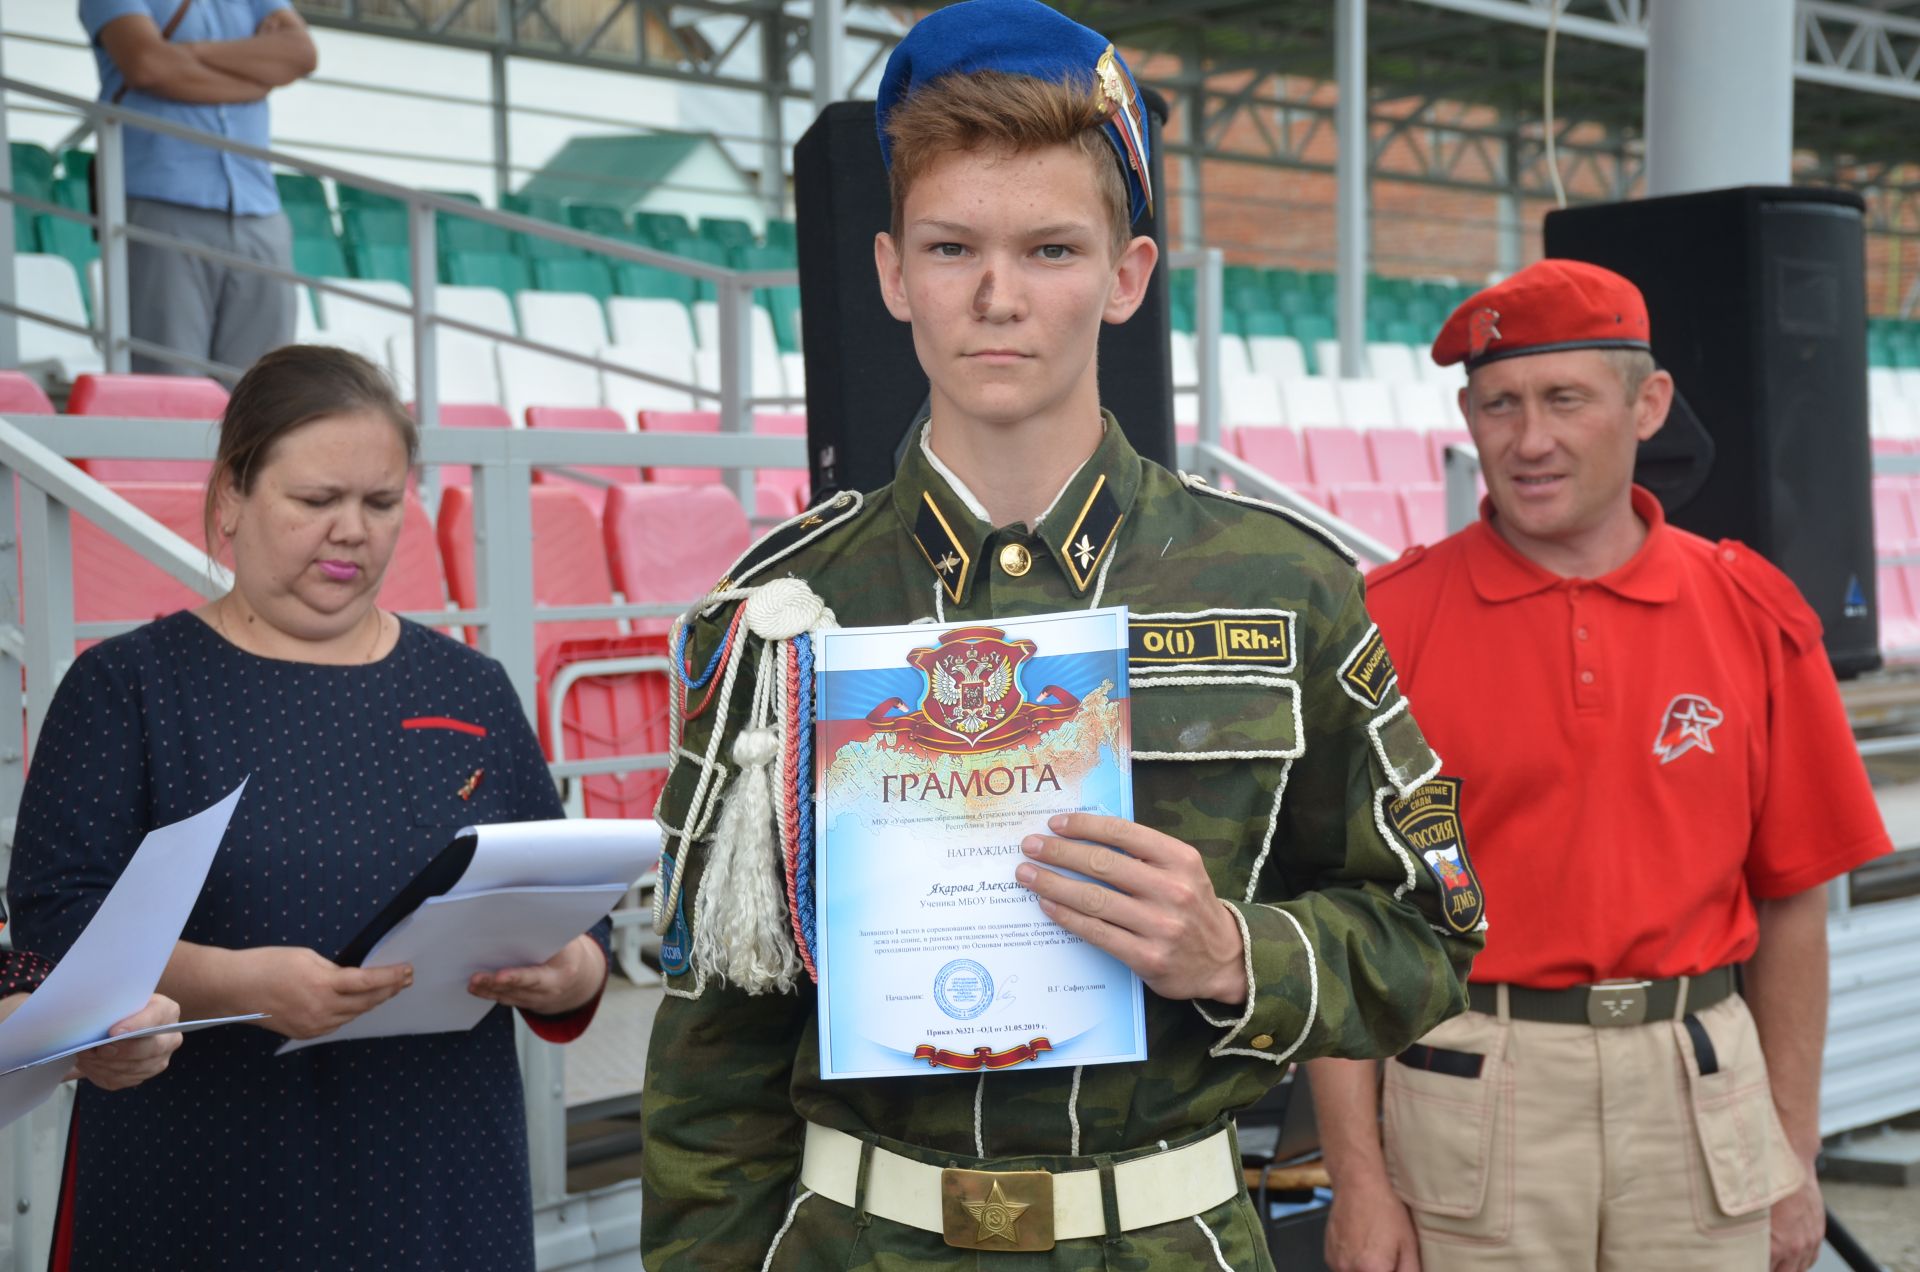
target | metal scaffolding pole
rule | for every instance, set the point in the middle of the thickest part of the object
(773, 142)
(1350, 175)
(1719, 95)
(829, 46)
(502, 133)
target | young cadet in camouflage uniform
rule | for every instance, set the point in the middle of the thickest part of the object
(1261, 895)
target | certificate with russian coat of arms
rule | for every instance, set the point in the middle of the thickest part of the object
(940, 748)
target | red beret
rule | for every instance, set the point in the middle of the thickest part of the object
(1548, 306)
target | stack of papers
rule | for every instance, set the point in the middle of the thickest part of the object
(113, 969)
(527, 890)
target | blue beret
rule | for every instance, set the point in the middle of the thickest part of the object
(1023, 37)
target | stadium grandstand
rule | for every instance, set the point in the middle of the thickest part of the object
(567, 228)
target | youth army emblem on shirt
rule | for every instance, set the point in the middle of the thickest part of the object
(973, 702)
(1428, 820)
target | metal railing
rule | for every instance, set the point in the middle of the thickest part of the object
(733, 289)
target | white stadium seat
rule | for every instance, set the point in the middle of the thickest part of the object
(1365, 404)
(1908, 378)
(1453, 377)
(1234, 361)
(46, 283)
(636, 322)
(793, 369)
(1884, 381)
(1425, 406)
(1277, 357)
(306, 322)
(381, 334)
(1311, 402)
(766, 347)
(467, 371)
(628, 396)
(767, 378)
(530, 378)
(1252, 400)
(1394, 363)
(570, 320)
(1186, 377)
(486, 307)
(1326, 357)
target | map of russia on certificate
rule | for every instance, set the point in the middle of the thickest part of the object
(939, 748)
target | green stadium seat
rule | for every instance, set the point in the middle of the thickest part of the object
(781, 234)
(319, 254)
(1180, 315)
(298, 189)
(502, 270)
(1308, 328)
(464, 234)
(309, 219)
(1181, 285)
(574, 274)
(699, 249)
(1321, 284)
(354, 197)
(370, 225)
(1878, 354)
(659, 227)
(783, 305)
(1304, 303)
(26, 238)
(1264, 322)
(540, 209)
(649, 282)
(75, 162)
(32, 170)
(74, 192)
(1424, 313)
(463, 196)
(387, 262)
(769, 257)
(598, 218)
(726, 231)
(1417, 334)
(71, 239)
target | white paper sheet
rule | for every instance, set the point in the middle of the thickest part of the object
(112, 969)
(531, 888)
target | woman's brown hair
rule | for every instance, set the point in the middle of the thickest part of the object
(290, 387)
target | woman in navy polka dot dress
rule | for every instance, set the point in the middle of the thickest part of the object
(367, 742)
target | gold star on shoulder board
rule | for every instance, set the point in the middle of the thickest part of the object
(996, 1216)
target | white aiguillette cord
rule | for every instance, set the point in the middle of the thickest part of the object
(746, 940)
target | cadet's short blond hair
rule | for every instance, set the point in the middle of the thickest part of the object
(1012, 114)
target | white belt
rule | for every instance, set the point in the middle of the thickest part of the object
(1176, 1184)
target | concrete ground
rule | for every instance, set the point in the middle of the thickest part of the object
(1885, 1220)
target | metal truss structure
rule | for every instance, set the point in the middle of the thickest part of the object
(1454, 94)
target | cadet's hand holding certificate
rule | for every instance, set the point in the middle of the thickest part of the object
(940, 749)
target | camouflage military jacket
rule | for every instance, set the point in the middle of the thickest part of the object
(1268, 733)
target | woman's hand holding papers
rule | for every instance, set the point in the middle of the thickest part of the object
(305, 995)
(568, 980)
(123, 1064)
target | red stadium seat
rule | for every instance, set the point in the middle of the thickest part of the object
(1899, 622)
(1400, 456)
(681, 422)
(1893, 522)
(791, 488)
(600, 419)
(112, 582)
(19, 395)
(416, 580)
(1425, 509)
(1439, 440)
(155, 397)
(467, 415)
(1274, 451)
(1374, 509)
(613, 714)
(1337, 456)
(669, 544)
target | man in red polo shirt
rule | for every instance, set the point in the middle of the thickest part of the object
(1651, 762)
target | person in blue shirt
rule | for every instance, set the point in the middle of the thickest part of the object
(207, 64)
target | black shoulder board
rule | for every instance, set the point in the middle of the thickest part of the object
(789, 536)
(1198, 485)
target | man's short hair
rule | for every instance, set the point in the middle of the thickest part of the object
(994, 112)
(1634, 366)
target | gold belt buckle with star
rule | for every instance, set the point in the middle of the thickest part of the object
(997, 1209)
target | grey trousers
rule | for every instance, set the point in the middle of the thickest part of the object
(201, 307)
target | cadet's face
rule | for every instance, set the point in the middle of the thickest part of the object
(1006, 272)
(1557, 436)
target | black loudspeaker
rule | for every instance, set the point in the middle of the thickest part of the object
(864, 384)
(1757, 298)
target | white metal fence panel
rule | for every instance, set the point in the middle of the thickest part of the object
(1872, 1070)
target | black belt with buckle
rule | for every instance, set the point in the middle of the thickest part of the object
(1606, 1003)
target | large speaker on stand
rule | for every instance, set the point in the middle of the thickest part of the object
(1757, 297)
(864, 384)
